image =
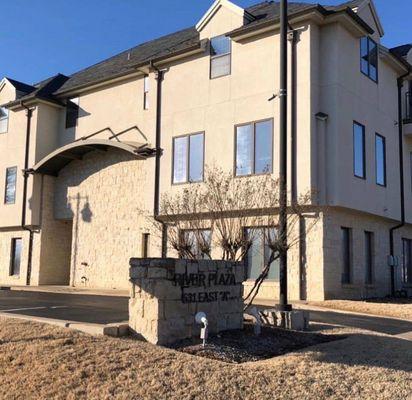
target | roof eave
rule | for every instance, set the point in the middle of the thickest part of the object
(317, 13)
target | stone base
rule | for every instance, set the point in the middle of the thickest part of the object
(296, 320)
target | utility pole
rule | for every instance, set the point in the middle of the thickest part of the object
(283, 158)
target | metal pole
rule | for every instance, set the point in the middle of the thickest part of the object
(283, 158)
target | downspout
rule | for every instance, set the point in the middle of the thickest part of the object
(294, 39)
(156, 208)
(26, 173)
(402, 185)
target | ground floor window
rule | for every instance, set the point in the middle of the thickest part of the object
(369, 257)
(15, 259)
(407, 261)
(346, 255)
(199, 242)
(259, 253)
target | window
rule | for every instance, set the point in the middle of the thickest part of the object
(10, 192)
(199, 242)
(15, 259)
(369, 58)
(188, 158)
(369, 257)
(407, 261)
(410, 167)
(72, 112)
(146, 93)
(259, 253)
(145, 245)
(220, 56)
(380, 159)
(346, 255)
(359, 150)
(4, 120)
(254, 148)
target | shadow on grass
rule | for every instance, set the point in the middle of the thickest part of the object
(387, 326)
(369, 351)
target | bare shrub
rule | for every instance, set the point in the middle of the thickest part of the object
(226, 206)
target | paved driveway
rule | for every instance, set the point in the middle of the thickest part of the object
(73, 307)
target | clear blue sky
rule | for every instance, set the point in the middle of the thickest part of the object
(39, 38)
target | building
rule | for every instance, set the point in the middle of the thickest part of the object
(83, 155)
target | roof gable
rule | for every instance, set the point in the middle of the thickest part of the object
(368, 6)
(214, 8)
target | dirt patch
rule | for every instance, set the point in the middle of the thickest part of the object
(396, 308)
(241, 346)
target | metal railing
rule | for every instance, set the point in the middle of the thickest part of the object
(408, 106)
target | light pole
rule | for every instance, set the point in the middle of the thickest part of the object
(283, 159)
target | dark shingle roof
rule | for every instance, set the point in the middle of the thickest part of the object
(401, 51)
(20, 86)
(129, 60)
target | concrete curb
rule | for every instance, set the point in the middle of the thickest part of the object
(114, 330)
(340, 311)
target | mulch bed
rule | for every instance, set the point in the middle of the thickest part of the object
(241, 346)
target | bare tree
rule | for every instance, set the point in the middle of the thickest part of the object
(234, 211)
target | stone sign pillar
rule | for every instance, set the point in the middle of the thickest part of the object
(167, 293)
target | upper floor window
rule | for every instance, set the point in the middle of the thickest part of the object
(359, 167)
(146, 93)
(188, 158)
(72, 112)
(4, 119)
(254, 148)
(10, 191)
(369, 58)
(220, 56)
(380, 159)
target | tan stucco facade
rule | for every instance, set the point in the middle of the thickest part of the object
(90, 218)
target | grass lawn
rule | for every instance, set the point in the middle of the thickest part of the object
(43, 362)
(399, 308)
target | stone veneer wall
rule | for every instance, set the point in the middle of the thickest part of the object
(167, 293)
(104, 195)
(359, 223)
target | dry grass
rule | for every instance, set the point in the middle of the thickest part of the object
(44, 362)
(400, 309)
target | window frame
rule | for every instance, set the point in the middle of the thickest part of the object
(146, 89)
(6, 118)
(363, 150)
(406, 279)
(187, 181)
(369, 267)
(347, 274)
(13, 256)
(369, 39)
(254, 123)
(246, 259)
(378, 136)
(214, 57)
(5, 202)
(182, 232)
